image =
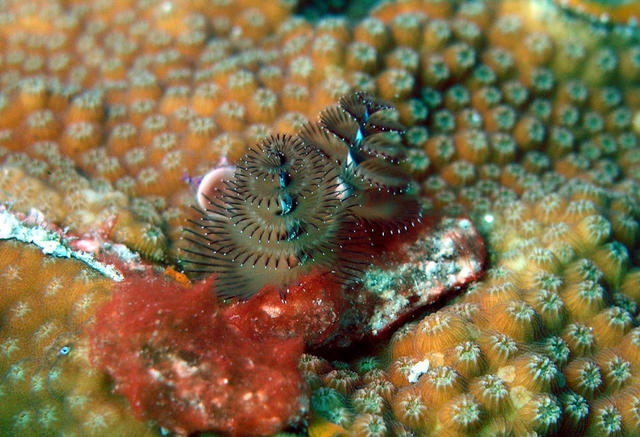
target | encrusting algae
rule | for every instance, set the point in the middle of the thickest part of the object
(522, 115)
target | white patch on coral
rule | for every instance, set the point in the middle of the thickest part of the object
(50, 243)
(417, 370)
(272, 311)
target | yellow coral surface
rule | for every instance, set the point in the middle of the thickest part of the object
(48, 386)
(519, 113)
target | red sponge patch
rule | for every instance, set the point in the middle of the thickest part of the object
(173, 353)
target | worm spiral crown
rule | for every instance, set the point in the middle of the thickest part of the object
(362, 137)
(299, 202)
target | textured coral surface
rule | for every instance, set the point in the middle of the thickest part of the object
(521, 114)
(48, 386)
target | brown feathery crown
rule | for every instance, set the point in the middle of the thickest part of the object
(299, 202)
(362, 137)
(277, 218)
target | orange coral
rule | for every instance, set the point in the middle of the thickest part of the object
(48, 386)
(528, 122)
